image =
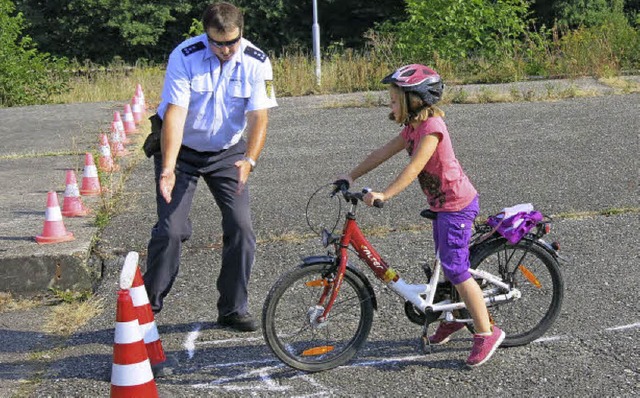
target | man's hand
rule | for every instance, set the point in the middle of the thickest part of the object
(167, 182)
(244, 168)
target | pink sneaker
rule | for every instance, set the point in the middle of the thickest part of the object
(484, 347)
(444, 332)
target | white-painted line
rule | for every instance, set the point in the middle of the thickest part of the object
(189, 343)
(624, 327)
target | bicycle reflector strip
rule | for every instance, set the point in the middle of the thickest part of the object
(530, 276)
(317, 283)
(317, 351)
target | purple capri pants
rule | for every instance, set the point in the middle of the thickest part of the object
(451, 234)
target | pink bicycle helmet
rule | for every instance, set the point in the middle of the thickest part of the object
(419, 79)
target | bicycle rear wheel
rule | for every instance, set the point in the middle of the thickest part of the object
(532, 270)
(292, 306)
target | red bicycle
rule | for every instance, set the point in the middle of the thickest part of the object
(317, 315)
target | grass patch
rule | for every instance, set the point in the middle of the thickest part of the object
(9, 303)
(29, 155)
(605, 212)
(622, 85)
(68, 317)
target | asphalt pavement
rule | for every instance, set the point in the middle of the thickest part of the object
(575, 159)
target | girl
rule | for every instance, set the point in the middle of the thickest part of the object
(414, 91)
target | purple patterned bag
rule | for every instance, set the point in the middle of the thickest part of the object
(514, 224)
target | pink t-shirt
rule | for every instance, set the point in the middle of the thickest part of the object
(443, 181)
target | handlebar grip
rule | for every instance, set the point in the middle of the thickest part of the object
(378, 203)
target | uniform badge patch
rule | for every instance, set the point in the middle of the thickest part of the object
(194, 48)
(269, 87)
(255, 53)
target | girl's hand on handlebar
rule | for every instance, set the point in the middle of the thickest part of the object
(371, 197)
(345, 177)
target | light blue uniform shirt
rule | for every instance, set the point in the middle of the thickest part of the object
(216, 98)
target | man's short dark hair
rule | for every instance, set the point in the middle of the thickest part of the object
(223, 17)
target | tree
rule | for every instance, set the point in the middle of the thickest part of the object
(26, 75)
(574, 13)
(100, 30)
(455, 29)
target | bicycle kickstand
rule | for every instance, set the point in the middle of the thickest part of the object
(424, 340)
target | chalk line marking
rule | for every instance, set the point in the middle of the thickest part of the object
(227, 341)
(190, 341)
(550, 338)
(267, 383)
(624, 327)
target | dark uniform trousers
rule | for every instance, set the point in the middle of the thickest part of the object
(174, 227)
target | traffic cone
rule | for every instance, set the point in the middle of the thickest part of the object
(54, 230)
(140, 94)
(131, 278)
(90, 181)
(131, 374)
(117, 128)
(127, 120)
(117, 146)
(137, 109)
(72, 205)
(117, 121)
(105, 162)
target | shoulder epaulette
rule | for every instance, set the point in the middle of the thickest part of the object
(255, 53)
(194, 48)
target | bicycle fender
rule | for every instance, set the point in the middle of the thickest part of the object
(538, 242)
(311, 260)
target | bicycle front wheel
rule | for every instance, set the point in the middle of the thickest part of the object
(530, 268)
(291, 309)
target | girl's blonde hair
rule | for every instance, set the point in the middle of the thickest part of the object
(409, 104)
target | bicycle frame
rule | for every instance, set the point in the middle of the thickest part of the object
(420, 295)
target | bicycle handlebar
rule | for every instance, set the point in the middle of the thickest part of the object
(342, 186)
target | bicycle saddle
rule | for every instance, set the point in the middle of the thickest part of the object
(431, 215)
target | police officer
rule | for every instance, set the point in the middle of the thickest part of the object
(218, 87)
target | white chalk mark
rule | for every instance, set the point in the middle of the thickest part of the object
(243, 363)
(624, 327)
(239, 340)
(189, 343)
(550, 338)
(268, 384)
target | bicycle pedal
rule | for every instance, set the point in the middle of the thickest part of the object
(426, 345)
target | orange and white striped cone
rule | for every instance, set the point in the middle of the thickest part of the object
(127, 120)
(53, 230)
(72, 205)
(131, 278)
(105, 161)
(116, 128)
(90, 182)
(131, 374)
(137, 109)
(117, 120)
(140, 94)
(117, 146)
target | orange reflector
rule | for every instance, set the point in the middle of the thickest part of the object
(317, 350)
(530, 276)
(317, 283)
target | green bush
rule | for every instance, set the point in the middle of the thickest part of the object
(26, 76)
(456, 29)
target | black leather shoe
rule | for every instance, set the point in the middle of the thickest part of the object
(242, 323)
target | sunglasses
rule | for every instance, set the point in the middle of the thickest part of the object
(228, 43)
